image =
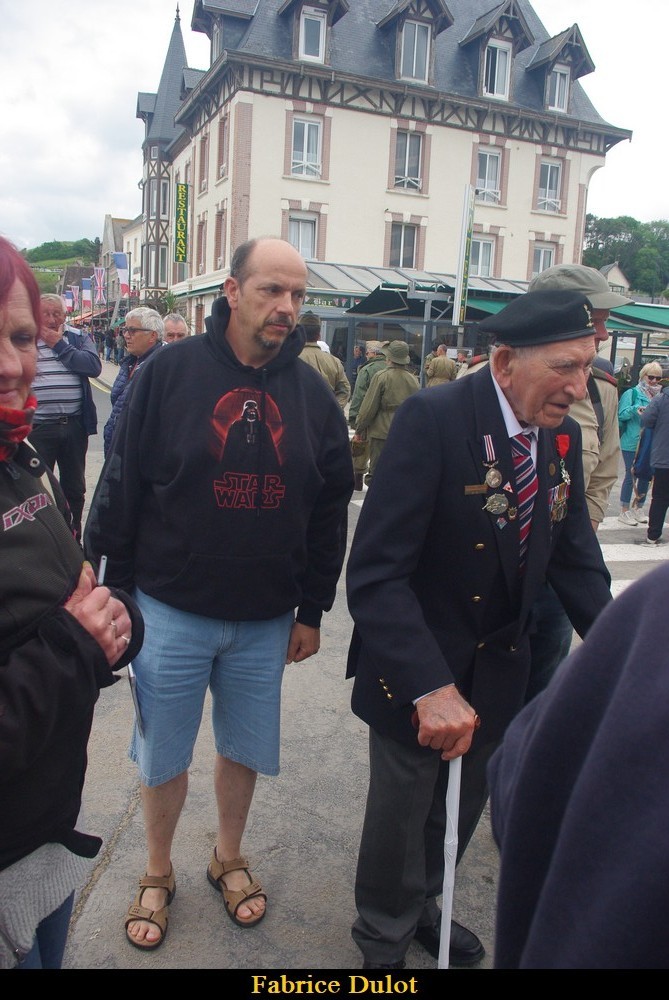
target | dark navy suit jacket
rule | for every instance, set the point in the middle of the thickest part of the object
(432, 579)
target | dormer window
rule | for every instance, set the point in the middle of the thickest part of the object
(497, 69)
(415, 50)
(216, 41)
(558, 88)
(313, 24)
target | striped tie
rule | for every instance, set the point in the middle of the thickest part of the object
(526, 487)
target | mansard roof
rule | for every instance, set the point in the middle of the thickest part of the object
(360, 49)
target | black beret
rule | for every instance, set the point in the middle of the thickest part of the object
(544, 317)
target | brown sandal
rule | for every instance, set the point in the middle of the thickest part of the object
(233, 898)
(158, 917)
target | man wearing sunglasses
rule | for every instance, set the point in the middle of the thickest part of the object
(143, 332)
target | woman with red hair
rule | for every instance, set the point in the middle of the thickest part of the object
(61, 636)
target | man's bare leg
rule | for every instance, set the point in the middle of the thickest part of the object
(234, 785)
(162, 807)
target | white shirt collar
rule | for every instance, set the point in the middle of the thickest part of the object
(511, 422)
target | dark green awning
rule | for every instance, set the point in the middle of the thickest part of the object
(644, 314)
(488, 306)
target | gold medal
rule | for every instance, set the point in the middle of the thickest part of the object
(496, 503)
(493, 478)
(551, 469)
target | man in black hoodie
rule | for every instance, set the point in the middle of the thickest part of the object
(233, 552)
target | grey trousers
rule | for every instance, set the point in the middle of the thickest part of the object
(400, 870)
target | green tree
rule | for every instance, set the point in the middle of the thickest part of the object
(641, 250)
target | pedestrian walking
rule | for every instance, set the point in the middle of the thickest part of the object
(477, 498)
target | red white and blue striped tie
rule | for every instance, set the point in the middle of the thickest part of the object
(526, 487)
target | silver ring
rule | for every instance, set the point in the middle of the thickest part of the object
(125, 639)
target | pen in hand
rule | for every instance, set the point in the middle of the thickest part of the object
(102, 569)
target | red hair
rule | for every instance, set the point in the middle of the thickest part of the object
(14, 267)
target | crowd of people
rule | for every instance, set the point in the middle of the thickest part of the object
(229, 456)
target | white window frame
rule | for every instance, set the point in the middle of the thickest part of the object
(402, 230)
(487, 186)
(310, 18)
(405, 175)
(303, 233)
(154, 153)
(550, 182)
(162, 266)
(153, 198)
(497, 77)
(558, 88)
(216, 41)
(482, 257)
(164, 199)
(416, 39)
(152, 266)
(542, 258)
(204, 164)
(306, 161)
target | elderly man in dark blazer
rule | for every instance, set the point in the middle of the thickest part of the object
(443, 572)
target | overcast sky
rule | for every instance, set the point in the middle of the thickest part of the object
(70, 141)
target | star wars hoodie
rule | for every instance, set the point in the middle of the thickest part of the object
(226, 489)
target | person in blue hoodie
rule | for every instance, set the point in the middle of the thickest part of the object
(233, 554)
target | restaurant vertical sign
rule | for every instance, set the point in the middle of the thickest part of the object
(181, 224)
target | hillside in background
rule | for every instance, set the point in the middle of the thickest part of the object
(57, 252)
(50, 260)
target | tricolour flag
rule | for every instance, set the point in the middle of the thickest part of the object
(86, 292)
(69, 300)
(100, 294)
(121, 263)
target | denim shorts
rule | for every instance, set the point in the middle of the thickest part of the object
(183, 655)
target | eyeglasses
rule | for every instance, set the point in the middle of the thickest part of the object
(136, 329)
(653, 378)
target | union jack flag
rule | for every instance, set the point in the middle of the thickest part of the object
(75, 295)
(100, 294)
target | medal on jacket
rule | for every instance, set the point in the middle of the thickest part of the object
(558, 495)
(562, 444)
(493, 476)
(496, 503)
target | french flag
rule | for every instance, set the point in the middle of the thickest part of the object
(121, 265)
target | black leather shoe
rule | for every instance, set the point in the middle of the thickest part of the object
(465, 948)
(392, 965)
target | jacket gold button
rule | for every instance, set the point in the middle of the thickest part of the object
(476, 598)
(480, 645)
(478, 546)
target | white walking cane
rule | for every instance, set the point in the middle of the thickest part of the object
(450, 854)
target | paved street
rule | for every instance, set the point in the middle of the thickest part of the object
(303, 833)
